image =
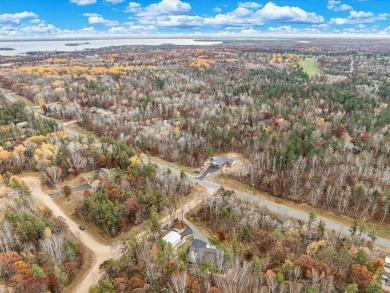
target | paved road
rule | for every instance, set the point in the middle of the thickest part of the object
(195, 231)
(74, 189)
(210, 169)
(277, 208)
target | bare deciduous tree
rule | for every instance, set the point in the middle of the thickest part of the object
(75, 156)
(179, 282)
(54, 248)
(53, 175)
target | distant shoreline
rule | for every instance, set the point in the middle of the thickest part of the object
(197, 38)
(77, 44)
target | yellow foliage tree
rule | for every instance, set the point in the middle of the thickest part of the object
(37, 139)
(4, 155)
(135, 161)
(45, 153)
(41, 101)
(18, 153)
(313, 247)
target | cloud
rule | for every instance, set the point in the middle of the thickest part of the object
(287, 29)
(217, 9)
(166, 13)
(251, 5)
(290, 14)
(114, 1)
(175, 21)
(15, 18)
(83, 2)
(356, 17)
(336, 5)
(133, 29)
(322, 26)
(164, 7)
(36, 20)
(41, 28)
(175, 14)
(88, 29)
(345, 7)
(94, 18)
(27, 31)
(239, 17)
(133, 7)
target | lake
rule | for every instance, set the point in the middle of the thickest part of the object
(21, 47)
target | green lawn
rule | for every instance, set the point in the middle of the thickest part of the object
(310, 66)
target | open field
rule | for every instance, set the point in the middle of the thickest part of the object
(310, 66)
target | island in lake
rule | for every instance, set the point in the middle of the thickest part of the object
(6, 49)
(76, 44)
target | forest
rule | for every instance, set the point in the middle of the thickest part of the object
(322, 140)
(37, 252)
(134, 192)
(264, 252)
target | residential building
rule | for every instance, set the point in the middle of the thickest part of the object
(200, 252)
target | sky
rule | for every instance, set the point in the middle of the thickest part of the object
(160, 18)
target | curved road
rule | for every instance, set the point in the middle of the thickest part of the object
(101, 252)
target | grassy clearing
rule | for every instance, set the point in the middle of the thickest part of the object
(382, 230)
(186, 169)
(77, 128)
(17, 97)
(310, 66)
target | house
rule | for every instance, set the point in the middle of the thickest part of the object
(173, 238)
(218, 162)
(200, 252)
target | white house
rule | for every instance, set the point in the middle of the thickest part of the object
(173, 238)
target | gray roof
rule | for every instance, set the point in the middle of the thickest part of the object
(222, 161)
(200, 252)
(218, 161)
(197, 244)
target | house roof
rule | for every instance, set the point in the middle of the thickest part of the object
(222, 160)
(197, 244)
(218, 161)
(172, 237)
(199, 252)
